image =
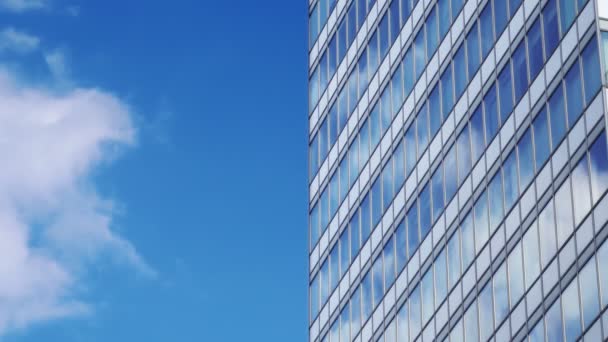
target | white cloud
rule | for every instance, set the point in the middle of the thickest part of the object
(17, 41)
(23, 5)
(53, 223)
(56, 62)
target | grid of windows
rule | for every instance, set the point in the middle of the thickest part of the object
(500, 271)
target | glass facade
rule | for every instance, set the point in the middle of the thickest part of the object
(458, 166)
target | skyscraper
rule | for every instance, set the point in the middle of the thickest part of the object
(458, 170)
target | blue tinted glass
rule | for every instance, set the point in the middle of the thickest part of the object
(554, 322)
(419, 54)
(431, 33)
(570, 298)
(352, 91)
(464, 155)
(501, 297)
(395, 23)
(422, 128)
(314, 225)
(447, 91)
(355, 236)
(471, 327)
(487, 38)
(506, 92)
(352, 24)
(426, 287)
(401, 246)
(500, 15)
(372, 51)
(435, 110)
(535, 49)
(481, 222)
(365, 143)
(589, 291)
(399, 165)
(365, 219)
(456, 7)
(334, 267)
(323, 132)
(415, 315)
(599, 167)
(410, 146)
(413, 235)
(323, 69)
(438, 200)
(454, 259)
(514, 5)
(574, 93)
(333, 60)
(366, 295)
(333, 194)
(486, 317)
(389, 263)
(444, 17)
(541, 138)
(510, 177)
(591, 64)
(342, 43)
(343, 106)
(314, 296)
(384, 38)
(377, 281)
(558, 117)
(324, 210)
(363, 76)
(361, 12)
(496, 201)
(526, 158)
(477, 134)
(313, 26)
(376, 202)
(387, 185)
(374, 120)
(551, 28)
(333, 124)
(460, 72)
(408, 71)
(406, 8)
(397, 89)
(468, 241)
(520, 71)
(313, 89)
(344, 184)
(425, 211)
(491, 113)
(314, 156)
(385, 109)
(449, 164)
(324, 281)
(567, 12)
(473, 50)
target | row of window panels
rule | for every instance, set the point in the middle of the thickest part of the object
(533, 149)
(524, 264)
(401, 85)
(318, 18)
(380, 118)
(366, 67)
(341, 182)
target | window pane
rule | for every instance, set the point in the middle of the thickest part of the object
(449, 163)
(531, 255)
(334, 267)
(486, 317)
(395, 23)
(567, 12)
(410, 145)
(387, 185)
(506, 92)
(408, 71)
(460, 71)
(389, 263)
(355, 306)
(402, 323)
(602, 258)
(425, 212)
(487, 38)
(558, 119)
(412, 229)
(471, 328)
(454, 259)
(551, 28)
(376, 202)
(431, 33)
(481, 222)
(599, 167)
(447, 91)
(542, 143)
(384, 38)
(365, 219)
(419, 54)
(574, 93)
(415, 321)
(401, 248)
(591, 64)
(491, 114)
(441, 281)
(563, 213)
(571, 311)
(344, 252)
(538, 333)
(355, 238)
(589, 292)
(496, 202)
(516, 275)
(444, 17)
(548, 240)
(399, 165)
(477, 134)
(526, 159)
(535, 49)
(422, 129)
(473, 50)
(501, 295)
(500, 16)
(510, 178)
(435, 110)
(377, 281)
(366, 295)
(464, 156)
(520, 71)
(437, 185)
(468, 241)
(554, 322)
(582, 198)
(427, 295)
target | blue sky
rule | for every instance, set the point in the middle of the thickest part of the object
(157, 189)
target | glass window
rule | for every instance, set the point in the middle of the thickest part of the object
(435, 110)
(401, 240)
(333, 194)
(477, 134)
(558, 119)
(506, 92)
(342, 42)
(510, 178)
(563, 213)
(422, 129)
(425, 211)
(324, 281)
(397, 89)
(419, 54)
(460, 71)
(353, 161)
(604, 54)
(574, 93)
(501, 13)
(580, 182)
(402, 323)
(365, 143)
(496, 201)
(376, 202)
(365, 219)
(386, 114)
(486, 316)
(389, 263)
(554, 322)
(410, 153)
(441, 279)
(602, 258)
(399, 165)
(372, 51)
(456, 7)
(538, 332)
(352, 23)
(406, 8)
(535, 49)
(344, 323)
(374, 120)
(548, 241)
(449, 163)
(589, 292)
(542, 144)
(599, 167)
(314, 225)
(454, 259)
(377, 281)
(481, 222)
(491, 113)
(531, 256)
(571, 311)
(431, 33)
(501, 294)
(313, 25)
(513, 6)
(395, 24)
(437, 189)
(520, 71)
(551, 28)
(334, 267)
(591, 64)
(355, 238)
(516, 275)
(468, 241)
(473, 50)
(314, 296)
(313, 89)
(444, 17)
(408, 71)
(384, 37)
(366, 295)
(427, 295)
(447, 91)
(334, 333)
(355, 306)
(413, 237)
(344, 252)
(415, 318)
(485, 21)
(526, 159)
(363, 75)
(324, 210)
(344, 185)
(567, 13)
(387, 185)
(464, 156)
(471, 328)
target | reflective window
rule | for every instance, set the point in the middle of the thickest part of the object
(454, 259)
(567, 13)
(496, 201)
(589, 292)
(563, 213)
(402, 323)
(415, 316)
(437, 190)
(500, 16)
(422, 129)
(441, 281)
(401, 240)
(542, 143)
(425, 212)
(574, 93)
(582, 195)
(477, 134)
(447, 91)
(481, 222)
(531, 255)
(435, 110)
(548, 240)
(516, 275)
(550, 27)
(432, 35)
(571, 311)
(591, 64)
(558, 119)
(485, 21)
(506, 92)
(520, 71)
(468, 238)
(412, 229)
(599, 167)
(419, 54)
(486, 312)
(501, 294)
(426, 286)
(471, 328)
(464, 156)
(554, 322)
(525, 153)
(460, 71)
(535, 48)
(491, 113)
(389, 263)
(604, 53)
(473, 53)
